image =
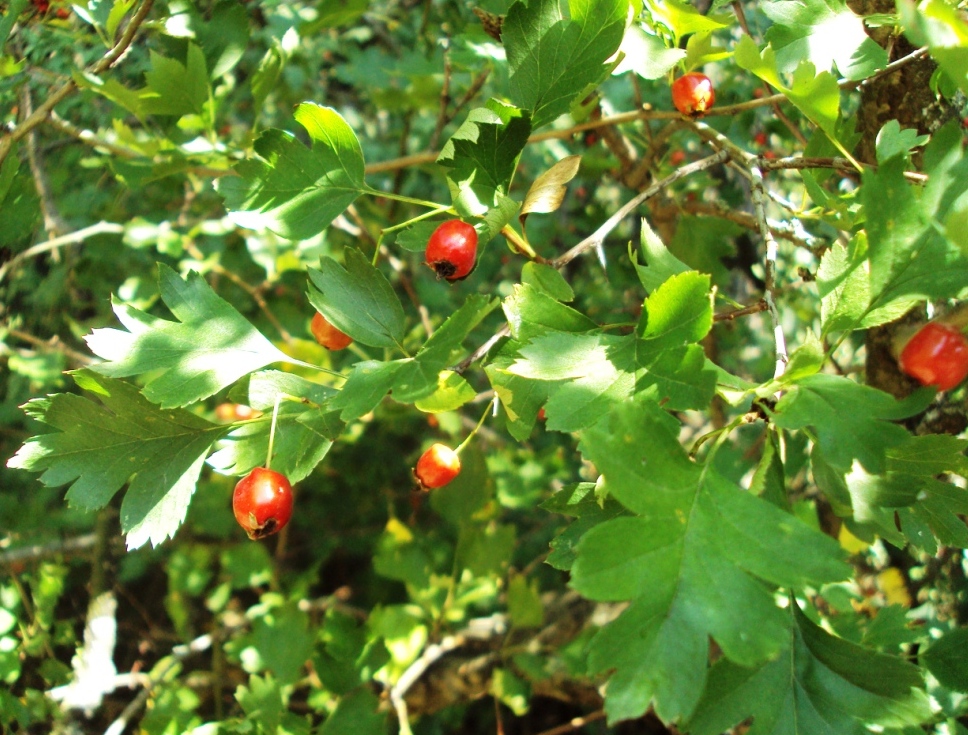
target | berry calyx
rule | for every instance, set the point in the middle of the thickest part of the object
(936, 355)
(693, 94)
(452, 250)
(262, 502)
(437, 467)
(327, 335)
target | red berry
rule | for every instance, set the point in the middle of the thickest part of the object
(937, 355)
(437, 467)
(234, 412)
(327, 335)
(693, 94)
(677, 157)
(452, 250)
(541, 414)
(262, 502)
(760, 139)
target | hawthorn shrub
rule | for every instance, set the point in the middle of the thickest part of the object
(694, 491)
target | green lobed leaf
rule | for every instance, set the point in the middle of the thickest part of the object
(683, 20)
(208, 348)
(411, 379)
(532, 311)
(521, 398)
(294, 191)
(553, 59)
(358, 300)
(647, 55)
(596, 372)
(816, 95)
(828, 34)
(547, 279)
(451, 393)
(819, 685)
(910, 257)
(357, 713)
(940, 27)
(98, 447)
(677, 312)
(303, 438)
(851, 421)
(946, 659)
(480, 158)
(844, 287)
(660, 264)
(696, 561)
(176, 89)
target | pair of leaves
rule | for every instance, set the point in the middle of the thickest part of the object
(696, 559)
(585, 371)
(915, 246)
(419, 378)
(173, 88)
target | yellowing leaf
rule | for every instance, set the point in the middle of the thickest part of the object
(548, 190)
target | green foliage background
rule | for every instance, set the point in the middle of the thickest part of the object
(693, 502)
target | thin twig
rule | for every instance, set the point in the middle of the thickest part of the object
(408, 678)
(53, 344)
(54, 98)
(54, 224)
(574, 724)
(482, 350)
(598, 237)
(755, 308)
(71, 238)
(76, 545)
(759, 207)
(178, 654)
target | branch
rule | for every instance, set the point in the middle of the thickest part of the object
(598, 237)
(53, 344)
(53, 222)
(54, 98)
(71, 238)
(23, 554)
(759, 207)
(178, 654)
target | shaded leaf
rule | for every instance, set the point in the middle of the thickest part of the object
(208, 348)
(696, 561)
(358, 300)
(291, 190)
(819, 685)
(98, 447)
(553, 59)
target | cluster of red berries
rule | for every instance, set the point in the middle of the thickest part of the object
(262, 500)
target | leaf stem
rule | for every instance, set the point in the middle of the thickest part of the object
(328, 371)
(491, 408)
(401, 198)
(272, 430)
(520, 243)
